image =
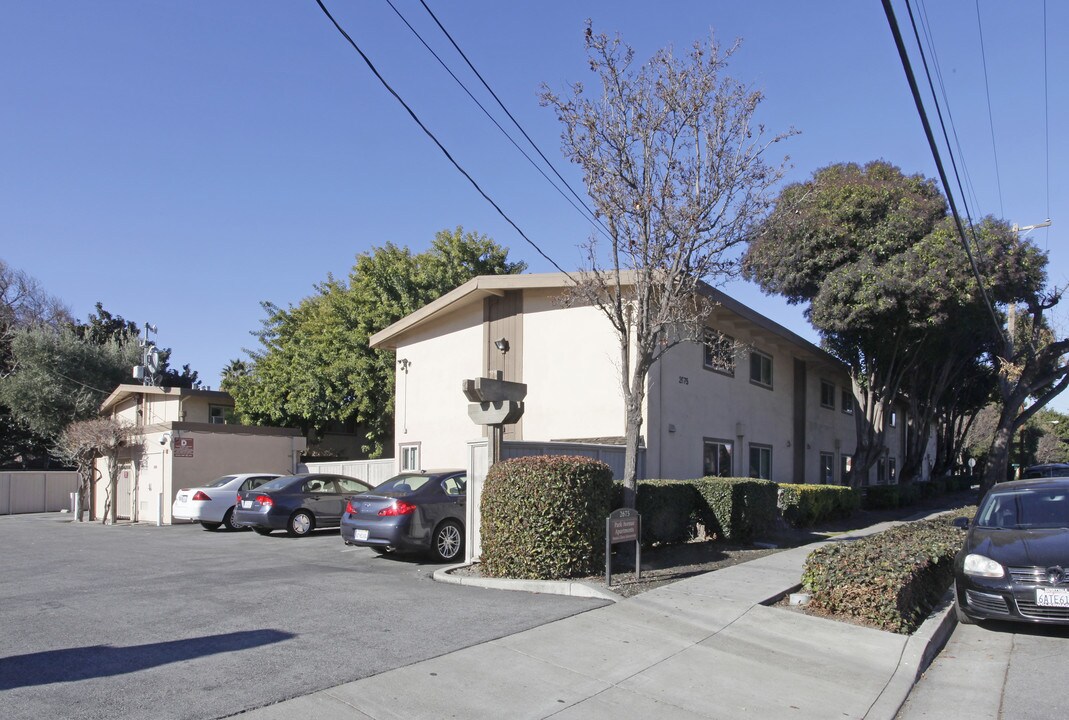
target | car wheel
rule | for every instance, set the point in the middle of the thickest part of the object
(210, 525)
(301, 523)
(448, 541)
(963, 619)
(263, 531)
(228, 521)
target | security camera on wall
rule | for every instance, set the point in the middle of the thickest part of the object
(165, 438)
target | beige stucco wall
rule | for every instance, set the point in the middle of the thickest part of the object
(430, 408)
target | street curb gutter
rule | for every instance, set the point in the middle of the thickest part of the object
(547, 587)
(918, 653)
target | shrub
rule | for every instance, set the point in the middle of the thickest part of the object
(803, 505)
(543, 517)
(881, 497)
(891, 579)
(670, 510)
(737, 509)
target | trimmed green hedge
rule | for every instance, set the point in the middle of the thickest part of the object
(804, 505)
(670, 510)
(738, 509)
(891, 579)
(543, 517)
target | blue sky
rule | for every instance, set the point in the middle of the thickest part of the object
(181, 161)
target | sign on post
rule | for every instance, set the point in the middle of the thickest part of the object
(623, 525)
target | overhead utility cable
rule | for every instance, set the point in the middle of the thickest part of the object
(990, 115)
(582, 211)
(513, 119)
(911, 78)
(412, 114)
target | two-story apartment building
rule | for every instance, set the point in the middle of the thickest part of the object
(188, 441)
(777, 407)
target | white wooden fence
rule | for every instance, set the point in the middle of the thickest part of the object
(29, 491)
(611, 455)
(373, 471)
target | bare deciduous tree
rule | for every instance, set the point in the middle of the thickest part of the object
(673, 158)
(83, 442)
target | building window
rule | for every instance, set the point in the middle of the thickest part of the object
(848, 402)
(894, 418)
(827, 394)
(219, 414)
(827, 468)
(846, 469)
(892, 471)
(761, 369)
(761, 462)
(881, 472)
(716, 461)
(410, 458)
(718, 352)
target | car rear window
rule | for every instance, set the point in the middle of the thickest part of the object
(277, 484)
(403, 483)
(221, 481)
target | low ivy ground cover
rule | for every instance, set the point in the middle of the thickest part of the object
(890, 580)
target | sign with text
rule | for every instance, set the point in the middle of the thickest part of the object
(623, 525)
(183, 447)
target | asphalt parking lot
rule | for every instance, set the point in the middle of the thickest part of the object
(176, 622)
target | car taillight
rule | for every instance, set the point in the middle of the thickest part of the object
(200, 496)
(349, 507)
(399, 507)
(265, 500)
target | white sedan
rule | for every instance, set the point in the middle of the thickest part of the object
(213, 505)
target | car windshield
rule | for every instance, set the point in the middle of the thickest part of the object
(218, 482)
(404, 483)
(277, 484)
(1021, 509)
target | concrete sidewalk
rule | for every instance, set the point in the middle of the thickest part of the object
(703, 647)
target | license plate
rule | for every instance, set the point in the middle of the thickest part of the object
(1052, 597)
(359, 534)
(246, 504)
(182, 497)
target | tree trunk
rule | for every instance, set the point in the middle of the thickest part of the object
(632, 436)
(998, 457)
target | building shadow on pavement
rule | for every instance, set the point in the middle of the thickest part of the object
(94, 661)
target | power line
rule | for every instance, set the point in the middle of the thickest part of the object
(990, 115)
(412, 114)
(911, 78)
(1046, 113)
(513, 119)
(582, 211)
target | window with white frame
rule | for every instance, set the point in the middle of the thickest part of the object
(827, 468)
(761, 461)
(827, 394)
(410, 457)
(718, 352)
(217, 414)
(716, 459)
(761, 369)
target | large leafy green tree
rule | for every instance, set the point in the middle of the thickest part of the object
(871, 253)
(314, 367)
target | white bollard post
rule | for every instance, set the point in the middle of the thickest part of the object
(159, 512)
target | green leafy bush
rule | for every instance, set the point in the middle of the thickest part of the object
(670, 510)
(881, 497)
(543, 517)
(891, 579)
(803, 505)
(737, 509)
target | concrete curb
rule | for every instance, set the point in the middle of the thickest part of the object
(548, 587)
(918, 653)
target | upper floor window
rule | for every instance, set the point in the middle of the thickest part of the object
(827, 394)
(219, 414)
(760, 369)
(893, 421)
(848, 402)
(719, 352)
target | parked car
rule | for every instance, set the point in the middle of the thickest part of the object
(297, 504)
(212, 505)
(421, 511)
(1013, 563)
(1046, 470)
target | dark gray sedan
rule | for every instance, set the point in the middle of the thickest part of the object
(421, 511)
(297, 504)
(1014, 562)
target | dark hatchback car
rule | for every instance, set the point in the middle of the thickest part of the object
(1013, 564)
(421, 511)
(297, 504)
(1046, 471)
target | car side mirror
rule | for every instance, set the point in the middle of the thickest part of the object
(962, 522)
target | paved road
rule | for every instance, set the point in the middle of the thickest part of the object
(997, 671)
(176, 622)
